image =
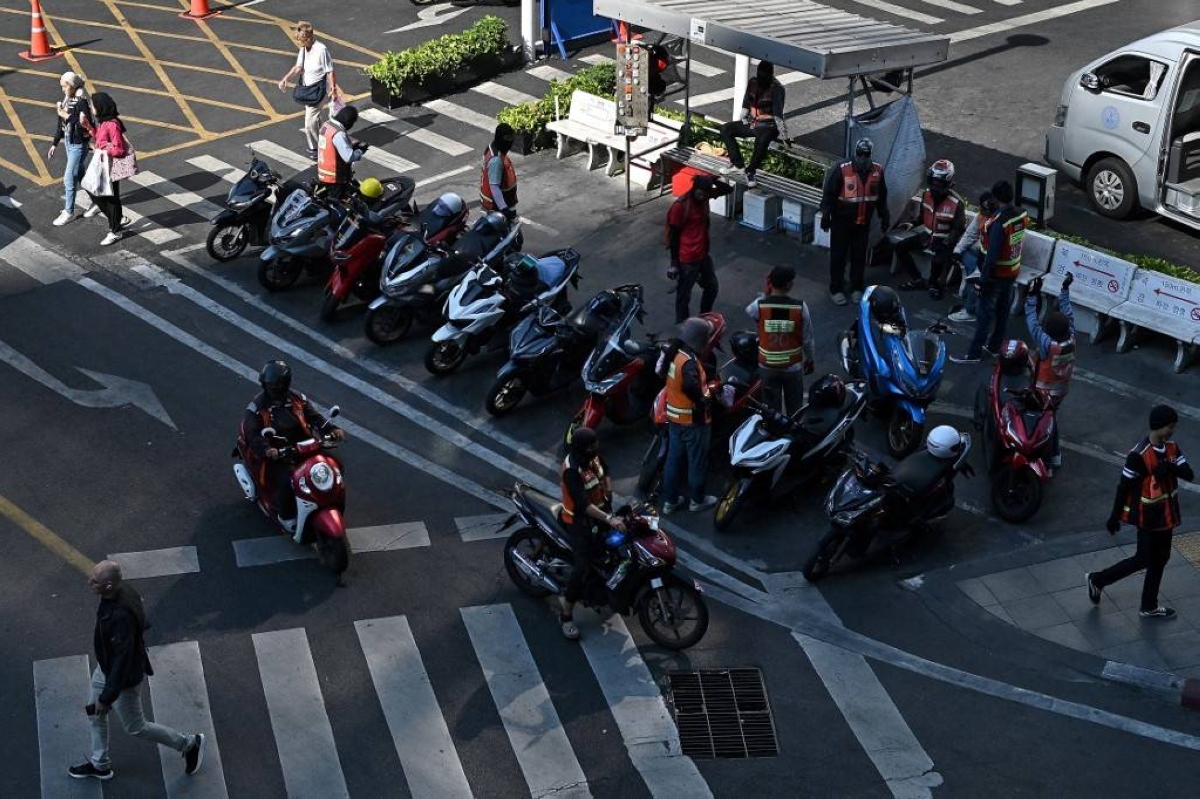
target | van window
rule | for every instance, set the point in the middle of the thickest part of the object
(1132, 76)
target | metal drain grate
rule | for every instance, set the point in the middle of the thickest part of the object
(723, 714)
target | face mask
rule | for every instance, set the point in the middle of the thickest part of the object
(862, 161)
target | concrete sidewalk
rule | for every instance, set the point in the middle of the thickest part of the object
(1050, 600)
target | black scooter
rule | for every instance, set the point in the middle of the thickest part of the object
(247, 213)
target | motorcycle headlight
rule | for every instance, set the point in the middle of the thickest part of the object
(321, 476)
(603, 386)
(761, 458)
(645, 557)
(291, 234)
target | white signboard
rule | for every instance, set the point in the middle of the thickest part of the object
(1163, 295)
(698, 30)
(1103, 279)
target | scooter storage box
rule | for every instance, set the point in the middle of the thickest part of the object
(760, 211)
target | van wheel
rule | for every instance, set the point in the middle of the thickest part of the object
(1112, 188)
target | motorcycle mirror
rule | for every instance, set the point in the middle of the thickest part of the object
(631, 348)
(335, 411)
(268, 432)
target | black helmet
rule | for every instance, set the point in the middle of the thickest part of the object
(744, 346)
(828, 392)
(495, 222)
(885, 306)
(584, 442)
(1058, 326)
(604, 305)
(275, 379)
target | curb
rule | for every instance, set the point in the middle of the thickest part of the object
(1186, 688)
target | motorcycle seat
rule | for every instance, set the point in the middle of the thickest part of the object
(919, 472)
(429, 223)
(453, 266)
(544, 506)
(475, 244)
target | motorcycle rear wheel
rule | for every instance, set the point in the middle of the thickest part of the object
(227, 242)
(525, 537)
(279, 273)
(329, 306)
(388, 324)
(1016, 494)
(650, 476)
(829, 549)
(731, 504)
(334, 553)
(506, 394)
(444, 357)
(903, 434)
(664, 611)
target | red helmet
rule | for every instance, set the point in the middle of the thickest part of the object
(942, 169)
(1014, 357)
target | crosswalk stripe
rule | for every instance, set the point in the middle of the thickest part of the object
(153, 233)
(950, 5)
(173, 192)
(61, 688)
(482, 528)
(461, 114)
(307, 752)
(284, 156)
(272, 549)
(389, 161)
(375, 116)
(427, 753)
(268, 550)
(503, 93)
(598, 58)
(423, 135)
(900, 11)
(548, 73)
(534, 729)
(705, 70)
(638, 707)
(215, 166)
(157, 562)
(180, 700)
(1008, 2)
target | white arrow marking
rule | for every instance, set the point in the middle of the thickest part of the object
(433, 15)
(117, 391)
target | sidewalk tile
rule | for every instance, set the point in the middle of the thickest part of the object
(1036, 613)
(1180, 650)
(1128, 592)
(1188, 609)
(1013, 584)
(1178, 585)
(999, 612)
(1128, 550)
(1100, 559)
(1077, 605)
(1067, 635)
(1155, 629)
(1138, 653)
(978, 592)
(1055, 575)
(1107, 630)
(1189, 671)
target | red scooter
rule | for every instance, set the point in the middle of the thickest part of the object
(357, 248)
(1018, 425)
(319, 488)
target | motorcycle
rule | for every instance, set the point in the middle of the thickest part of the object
(872, 508)
(903, 369)
(247, 213)
(773, 454)
(300, 234)
(480, 313)
(547, 350)
(358, 243)
(1018, 433)
(417, 277)
(538, 560)
(318, 486)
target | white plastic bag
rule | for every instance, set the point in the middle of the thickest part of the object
(97, 180)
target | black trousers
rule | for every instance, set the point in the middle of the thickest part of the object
(582, 541)
(111, 207)
(939, 263)
(1153, 552)
(279, 480)
(847, 238)
(703, 273)
(763, 136)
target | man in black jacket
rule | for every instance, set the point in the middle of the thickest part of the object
(121, 665)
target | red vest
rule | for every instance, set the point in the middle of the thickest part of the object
(331, 168)
(1008, 260)
(780, 332)
(508, 184)
(593, 486)
(863, 195)
(1053, 373)
(1157, 505)
(938, 219)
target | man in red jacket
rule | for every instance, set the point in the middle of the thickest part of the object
(687, 239)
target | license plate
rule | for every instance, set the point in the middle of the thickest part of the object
(656, 582)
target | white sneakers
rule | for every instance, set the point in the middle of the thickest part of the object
(111, 238)
(961, 315)
(89, 213)
(63, 218)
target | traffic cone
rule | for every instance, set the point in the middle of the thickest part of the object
(199, 10)
(39, 45)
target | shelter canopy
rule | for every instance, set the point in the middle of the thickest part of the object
(805, 36)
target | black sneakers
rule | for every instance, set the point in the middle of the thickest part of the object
(1093, 589)
(1160, 612)
(193, 756)
(85, 770)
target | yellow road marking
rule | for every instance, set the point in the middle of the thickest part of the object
(25, 173)
(225, 17)
(68, 54)
(237, 67)
(45, 536)
(23, 134)
(140, 120)
(288, 25)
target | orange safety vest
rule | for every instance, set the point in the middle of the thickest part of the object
(1053, 373)
(938, 219)
(985, 225)
(331, 167)
(680, 408)
(780, 332)
(508, 185)
(1153, 495)
(863, 195)
(1008, 262)
(593, 484)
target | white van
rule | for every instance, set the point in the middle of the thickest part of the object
(1128, 128)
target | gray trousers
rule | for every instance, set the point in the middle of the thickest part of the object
(782, 389)
(128, 707)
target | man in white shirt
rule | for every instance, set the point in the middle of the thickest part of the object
(313, 65)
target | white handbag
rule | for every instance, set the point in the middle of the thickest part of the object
(97, 180)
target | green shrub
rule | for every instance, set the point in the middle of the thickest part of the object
(1148, 262)
(531, 118)
(442, 57)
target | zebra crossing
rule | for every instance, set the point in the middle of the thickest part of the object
(312, 760)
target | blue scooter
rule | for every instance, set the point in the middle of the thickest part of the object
(903, 369)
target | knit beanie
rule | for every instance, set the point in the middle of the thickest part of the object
(1161, 416)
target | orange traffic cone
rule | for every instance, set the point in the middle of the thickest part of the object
(39, 45)
(199, 10)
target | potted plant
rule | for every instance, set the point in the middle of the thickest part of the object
(528, 121)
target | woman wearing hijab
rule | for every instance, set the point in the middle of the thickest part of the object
(74, 125)
(110, 139)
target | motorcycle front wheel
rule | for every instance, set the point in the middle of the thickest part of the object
(731, 503)
(1016, 494)
(528, 543)
(227, 242)
(334, 553)
(903, 434)
(828, 550)
(279, 273)
(388, 324)
(505, 395)
(674, 616)
(444, 357)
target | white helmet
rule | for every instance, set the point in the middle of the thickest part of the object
(942, 169)
(943, 442)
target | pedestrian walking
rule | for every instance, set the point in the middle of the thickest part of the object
(122, 663)
(111, 140)
(943, 219)
(785, 341)
(1001, 240)
(317, 83)
(688, 429)
(687, 240)
(855, 191)
(73, 128)
(969, 253)
(762, 119)
(1147, 499)
(498, 180)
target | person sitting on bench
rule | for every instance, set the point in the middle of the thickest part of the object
(762, 118)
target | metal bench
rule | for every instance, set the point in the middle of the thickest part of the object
(1162, 304)
(766, 182)
(591, 121)
(1102, 282)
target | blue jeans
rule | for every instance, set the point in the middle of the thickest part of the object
(991, 316)
(77, 157)
(686, 444)
(970, 262)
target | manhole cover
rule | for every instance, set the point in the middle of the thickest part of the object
(723, 713)
(1188, 545)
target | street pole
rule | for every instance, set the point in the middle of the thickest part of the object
(741, 78)
(529, 29)
(628, 166)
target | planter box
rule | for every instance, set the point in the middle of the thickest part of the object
(525, 144)
(438, 85)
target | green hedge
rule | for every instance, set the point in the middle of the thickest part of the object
(531, 118)
(1147, 262)
(443, 57)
